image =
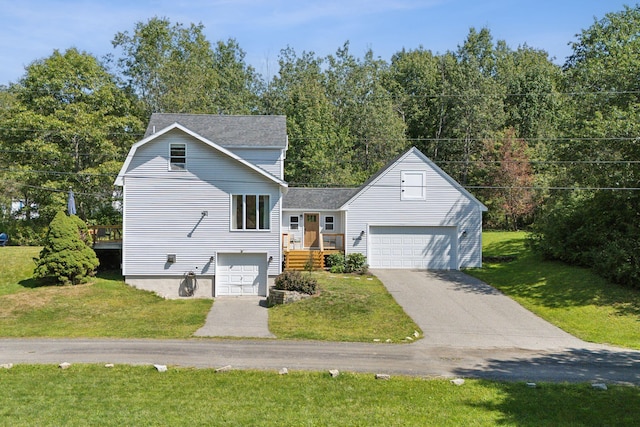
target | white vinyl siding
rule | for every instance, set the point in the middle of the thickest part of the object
(444, 206)
(164, 210)
(269, 159)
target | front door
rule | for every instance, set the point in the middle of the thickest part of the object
(311, 230)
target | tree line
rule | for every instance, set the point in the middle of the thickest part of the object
(553, 148)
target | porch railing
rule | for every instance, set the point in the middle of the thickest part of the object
(105, 233)
(328, 241)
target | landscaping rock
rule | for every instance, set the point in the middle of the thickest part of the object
(278, 296)
(531, 385)
(109, 365)
(376, 340)
(283, 371)
(224, 369)
(457, 381)
(161, 368)
(383, 376)
(6, 365)
(599, 386)
(388, 340)
(64, 365)
(416, 334)
(334, 373)
(408, 338)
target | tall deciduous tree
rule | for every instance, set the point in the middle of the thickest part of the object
(69, 117)
(512, 200)
(174, 69)
(366, 108)
(317, 154)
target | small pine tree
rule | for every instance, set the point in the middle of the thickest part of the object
(66, 258)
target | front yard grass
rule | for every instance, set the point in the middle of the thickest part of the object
(106, 307)
(349, 308)
(138, 395)
(355, 308)
(572, 298)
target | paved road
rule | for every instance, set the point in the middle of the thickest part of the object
(471, 330)
(572, 365)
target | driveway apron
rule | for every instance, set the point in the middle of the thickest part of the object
(244, 316)
(457, 310)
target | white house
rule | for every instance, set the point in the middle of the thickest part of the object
(207, 211)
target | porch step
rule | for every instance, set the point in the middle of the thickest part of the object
(302, 259)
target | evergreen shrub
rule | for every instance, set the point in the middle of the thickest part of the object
(67, 257)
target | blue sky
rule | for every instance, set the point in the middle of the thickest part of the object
(32, 29)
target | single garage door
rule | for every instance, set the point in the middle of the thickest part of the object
(241, 274)
(413, 247)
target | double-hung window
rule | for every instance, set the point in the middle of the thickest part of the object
(250, 212)
(294, 222)
(328, 223)
(177, 157)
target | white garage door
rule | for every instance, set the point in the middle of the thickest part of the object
(241, 274)
(413, 247)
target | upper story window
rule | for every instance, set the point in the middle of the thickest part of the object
(294, 222)
(177, 157)
(250, 212)
(328, 223)
(413, 185)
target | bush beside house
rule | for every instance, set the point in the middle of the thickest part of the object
(67, 257)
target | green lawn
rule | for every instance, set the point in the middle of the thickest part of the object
(349, 308)
(573, 298)
(85, 395)
(352, 309)
(106, 307)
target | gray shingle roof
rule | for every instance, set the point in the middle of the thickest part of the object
(317, 198)
(227, 131)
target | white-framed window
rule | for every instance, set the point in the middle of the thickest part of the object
(328, 223)
(413, 185)
(250, 212)
(177, 157)
(294, 222)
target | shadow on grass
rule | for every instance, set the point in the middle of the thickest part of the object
(511, 248)
(554, 284)
(33, 283)
(554, 403)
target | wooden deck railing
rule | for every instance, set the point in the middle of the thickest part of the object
(328, 241)
(105, 233)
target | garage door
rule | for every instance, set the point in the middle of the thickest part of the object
(413, 247)
(241, 274)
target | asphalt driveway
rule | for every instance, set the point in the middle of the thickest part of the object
(457, 310)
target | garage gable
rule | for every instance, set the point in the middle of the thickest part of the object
(411, 214)
(412, 182)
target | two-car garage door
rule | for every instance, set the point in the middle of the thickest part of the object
(413, 247)
(241, 274)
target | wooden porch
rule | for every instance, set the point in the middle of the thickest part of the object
(296, 257)
(106, 236)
